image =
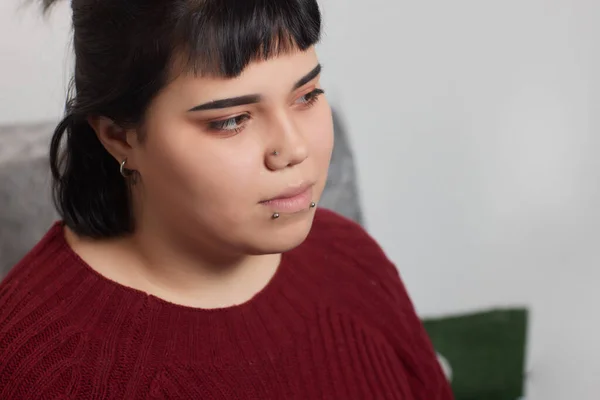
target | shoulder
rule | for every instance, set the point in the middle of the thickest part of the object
(25, 282)
(32, 309)
(377, 295)
(37, 337)
(342, 232)
(29, 278)
(40, 282)
(349, 249)
(335, 234)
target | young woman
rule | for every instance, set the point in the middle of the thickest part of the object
(192, 260)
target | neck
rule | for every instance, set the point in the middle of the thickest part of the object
(178, 269)
(199, 273)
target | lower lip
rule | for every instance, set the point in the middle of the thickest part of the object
(291, 204)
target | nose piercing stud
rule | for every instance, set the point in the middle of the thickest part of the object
(275, 153)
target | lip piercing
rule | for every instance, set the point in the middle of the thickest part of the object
(276, 215)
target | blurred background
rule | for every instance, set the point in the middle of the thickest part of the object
(474, 127)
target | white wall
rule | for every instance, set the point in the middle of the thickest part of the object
(476, 126)
(476, 130)
(35, 61)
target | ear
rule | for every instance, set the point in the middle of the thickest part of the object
(118, 141)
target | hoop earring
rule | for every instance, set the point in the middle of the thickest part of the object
(126, 173)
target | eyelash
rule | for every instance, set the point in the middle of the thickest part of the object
(311, 99)
(222, 125)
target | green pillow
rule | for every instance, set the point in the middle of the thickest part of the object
(485, 351)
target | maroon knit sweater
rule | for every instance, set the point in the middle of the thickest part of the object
(335, 322)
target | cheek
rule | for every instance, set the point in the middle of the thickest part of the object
(197, 173)
(320, 133)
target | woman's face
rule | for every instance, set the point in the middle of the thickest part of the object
(218, 151)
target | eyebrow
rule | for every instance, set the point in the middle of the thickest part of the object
(253, 98)
(227, 103)
(308, 77)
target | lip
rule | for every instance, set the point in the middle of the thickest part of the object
(293, 199)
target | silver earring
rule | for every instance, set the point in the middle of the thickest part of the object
(275, 216)
(275, 153)
(313, 204)
(125, 172)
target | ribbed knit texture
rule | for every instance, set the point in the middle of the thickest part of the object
(334, 322)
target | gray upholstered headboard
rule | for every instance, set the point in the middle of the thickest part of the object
(341, 192)
(26, 210)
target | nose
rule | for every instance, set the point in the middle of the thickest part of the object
(288, 146)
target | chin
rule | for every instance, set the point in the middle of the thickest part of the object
(281, 235)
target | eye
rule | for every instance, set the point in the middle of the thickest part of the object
(310, 98)
(233, 124)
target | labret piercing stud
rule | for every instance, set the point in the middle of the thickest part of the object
(276, 215)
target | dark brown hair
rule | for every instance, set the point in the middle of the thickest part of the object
(124, 55)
